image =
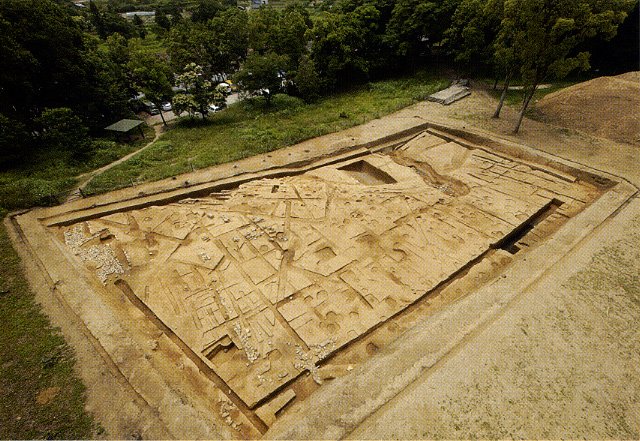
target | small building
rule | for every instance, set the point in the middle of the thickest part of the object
(257, 4)
(148, 15)
(125, 126)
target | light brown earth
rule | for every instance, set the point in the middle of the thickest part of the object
(616, 115)
(547, 350)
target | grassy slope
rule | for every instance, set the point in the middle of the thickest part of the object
(52, 172)
(248, 128)
(40, 396)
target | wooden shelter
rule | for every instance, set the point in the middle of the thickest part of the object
(125, 126)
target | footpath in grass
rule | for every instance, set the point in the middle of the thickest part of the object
(249, 127)
(40, 395)
(45, 175)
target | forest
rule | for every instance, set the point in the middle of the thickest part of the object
(69, 70)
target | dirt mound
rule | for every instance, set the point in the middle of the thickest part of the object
(608, 107)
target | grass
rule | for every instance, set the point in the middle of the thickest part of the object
(44, 178)
(40, 395)
(249, 128)
(515, 97)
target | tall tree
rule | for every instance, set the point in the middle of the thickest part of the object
(205, 10)
(291, 41)
(47, 62)
(470, 38)
(262, 74)
(545, 33)
(151, 77)
(162, 20)
(15, 139)
(216, 46)
(139, 25)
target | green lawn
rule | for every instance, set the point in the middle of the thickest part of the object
(249, 128)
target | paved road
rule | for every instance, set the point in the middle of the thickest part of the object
(153, 120)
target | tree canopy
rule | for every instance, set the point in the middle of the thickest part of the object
(545, 34)
(48, 61)
(91, 63)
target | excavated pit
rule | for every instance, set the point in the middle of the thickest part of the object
(281, 284)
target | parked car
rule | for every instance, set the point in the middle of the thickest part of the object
(166, 106)
(151, 108)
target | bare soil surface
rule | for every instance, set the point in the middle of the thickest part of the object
(562, 362)
(616, 115)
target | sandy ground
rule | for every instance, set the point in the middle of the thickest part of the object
(560, 361)
(616, 116)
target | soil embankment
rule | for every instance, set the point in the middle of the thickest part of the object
(606, 107)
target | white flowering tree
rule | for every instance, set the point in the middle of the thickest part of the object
(198, 93)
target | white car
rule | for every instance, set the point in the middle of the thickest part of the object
(214, 108)
(166, 106)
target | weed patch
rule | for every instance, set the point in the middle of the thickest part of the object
(41, 397)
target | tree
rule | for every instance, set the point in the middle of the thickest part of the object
(162, 20)
(473, 30)
(63, 130)
(151, 77)
(263, 30)
(262, 74)
(216, 46)
(199, 92)
(411, 27)
(545, 33)
(139, 25)
(15, 139)
(97, 21)
(506, 63)
(291, 41)
(206, 10)
(109, 22)
(48, 62)
(342, 47)
(282, 33)
(308, 81)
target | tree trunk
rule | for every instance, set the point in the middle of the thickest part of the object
(495, 83)
(161, 115)
(525, 103)
(502, 97)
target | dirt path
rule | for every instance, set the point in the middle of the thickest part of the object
(85, 178)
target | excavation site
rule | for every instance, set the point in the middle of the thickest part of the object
(230, 307)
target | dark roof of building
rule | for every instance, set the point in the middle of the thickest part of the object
(124, 125)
